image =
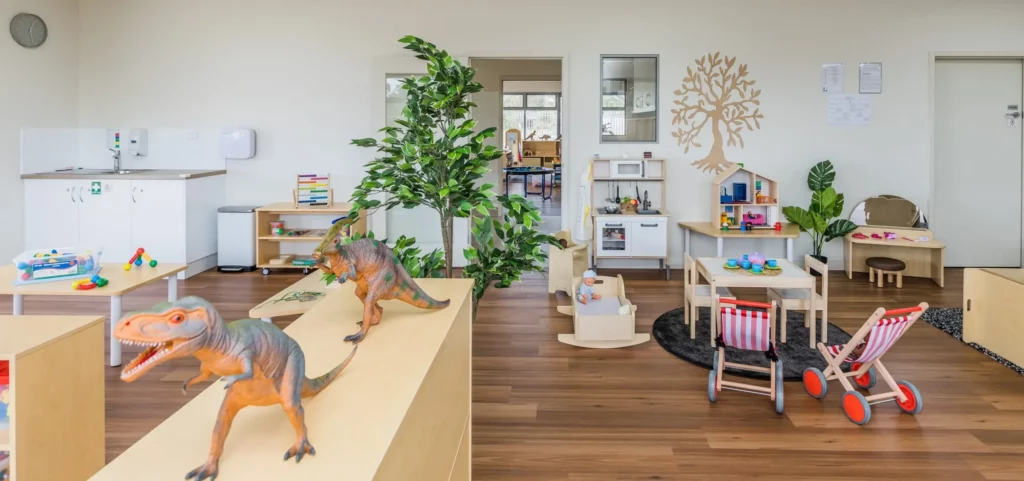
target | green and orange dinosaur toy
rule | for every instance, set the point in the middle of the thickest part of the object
(378, 274)
(261, 365)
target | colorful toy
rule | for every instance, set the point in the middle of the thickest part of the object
(586, 291)
(756, 259)
(778, 226)
(53, 265)
(753, 219)
(260, 364)
(864, 352)
(749, 330)
(137, 259)
(91, 283)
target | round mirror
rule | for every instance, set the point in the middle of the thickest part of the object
(889, 211)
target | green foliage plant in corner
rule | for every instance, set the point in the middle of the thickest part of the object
(826, 205)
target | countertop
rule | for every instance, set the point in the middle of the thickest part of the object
(158, 174)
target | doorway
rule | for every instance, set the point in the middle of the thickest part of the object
(977, 195)
(522, 98)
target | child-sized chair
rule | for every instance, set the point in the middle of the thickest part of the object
(566, 264)
(749, 330)
(696, 295)
(796, 299)
(864, 352)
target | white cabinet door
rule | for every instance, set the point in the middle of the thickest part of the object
(104, 217)
(613, 237)
(158, 218)
(648, 237)
(51, 214)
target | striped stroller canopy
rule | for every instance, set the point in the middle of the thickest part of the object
(746, 329)
(883, 335)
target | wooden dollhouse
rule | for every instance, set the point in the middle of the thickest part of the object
(743, 199)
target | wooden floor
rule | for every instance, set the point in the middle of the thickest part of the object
(546, 411)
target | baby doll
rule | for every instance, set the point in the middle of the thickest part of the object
(586, 291)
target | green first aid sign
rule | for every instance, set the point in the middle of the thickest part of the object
(95, 188)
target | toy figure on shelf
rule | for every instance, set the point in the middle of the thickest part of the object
(724, 219)
(753, 219)
(586, 290)
(378, 274)
(261, 365)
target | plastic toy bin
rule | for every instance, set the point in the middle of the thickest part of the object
(55, 265)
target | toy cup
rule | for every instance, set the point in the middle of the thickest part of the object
(732, 262)
(745, 264)
(745, 256)
(772, 263)
(756, 268)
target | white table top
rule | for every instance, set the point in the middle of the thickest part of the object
(792, 276)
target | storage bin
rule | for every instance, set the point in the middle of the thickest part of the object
(56, 265)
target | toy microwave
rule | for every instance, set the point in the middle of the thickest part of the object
(628, 169)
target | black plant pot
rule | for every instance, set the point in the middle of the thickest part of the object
(823, 260)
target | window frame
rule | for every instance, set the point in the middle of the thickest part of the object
(600, 97)
(557, 109)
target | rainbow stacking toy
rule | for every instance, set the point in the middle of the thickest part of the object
(137, 259)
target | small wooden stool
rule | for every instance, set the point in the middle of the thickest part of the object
(883, 266)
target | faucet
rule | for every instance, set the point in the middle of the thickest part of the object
(117, 159)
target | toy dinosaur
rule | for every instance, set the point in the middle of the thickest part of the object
(379, 277)
(261, 364)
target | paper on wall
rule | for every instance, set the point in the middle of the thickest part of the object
(870, 78)
(849, 110)
(832, 78)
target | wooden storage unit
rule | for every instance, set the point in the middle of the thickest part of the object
(542, 153)
(767, 210)
(400, 411)
(630, 235)
(57, 403)
(924, 258)
(992, 317)
(269, 246)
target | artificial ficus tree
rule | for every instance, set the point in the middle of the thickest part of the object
(719, 95)
(433, 157)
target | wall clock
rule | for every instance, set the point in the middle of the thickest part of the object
(28, 30)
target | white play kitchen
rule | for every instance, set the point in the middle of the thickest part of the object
(630, 221)
(172, 214)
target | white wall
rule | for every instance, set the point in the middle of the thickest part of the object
(38, 89)
(299, 72)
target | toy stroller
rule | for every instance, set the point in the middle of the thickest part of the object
(750, 330)
(864, 352)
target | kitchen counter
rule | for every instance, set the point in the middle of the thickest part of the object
(158, 174)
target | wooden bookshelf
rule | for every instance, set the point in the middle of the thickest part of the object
(268, 246)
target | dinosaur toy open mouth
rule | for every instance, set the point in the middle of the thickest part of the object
(150, 356)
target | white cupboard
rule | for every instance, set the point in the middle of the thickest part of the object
(174, 220)
(631, 237)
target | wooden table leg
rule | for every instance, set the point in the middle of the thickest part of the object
(19, 304)
(172, 288)
(813, 314)
(115, 316)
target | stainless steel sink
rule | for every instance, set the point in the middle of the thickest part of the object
(102, 171)
(125, 171)
(648, 212)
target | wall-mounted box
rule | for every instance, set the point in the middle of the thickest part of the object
(237, 144)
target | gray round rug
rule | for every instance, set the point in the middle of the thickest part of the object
(796, 354)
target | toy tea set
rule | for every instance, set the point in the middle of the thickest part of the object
(754, 265)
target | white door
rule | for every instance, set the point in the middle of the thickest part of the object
(976, 207)
(51, 214)
(104, 218)
(649, 238)
(158, 219)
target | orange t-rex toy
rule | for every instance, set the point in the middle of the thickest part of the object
(379, 277)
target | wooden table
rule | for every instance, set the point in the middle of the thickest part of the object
(57, 418)
(543, 172)
(788, 233)
(792, 277)
(923, 258)
(121, 282)
(269, 309)
(400, 411)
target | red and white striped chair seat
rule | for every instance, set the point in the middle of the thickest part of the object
(883, 335)
(745, 329)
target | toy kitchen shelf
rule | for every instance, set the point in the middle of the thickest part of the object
(268, 246)
(629, 235)
(740, 196)
(54, 429)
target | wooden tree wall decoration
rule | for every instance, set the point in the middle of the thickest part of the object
(718, 93)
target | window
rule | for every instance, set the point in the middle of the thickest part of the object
(532, 112)
(613, 107)
(629, 98)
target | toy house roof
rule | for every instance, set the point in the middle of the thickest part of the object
(732, 169)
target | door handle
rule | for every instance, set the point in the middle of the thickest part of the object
(648, 225)
(133, 194)
(80, 189)
(72, 190)
(613, 225)
(1013, 115)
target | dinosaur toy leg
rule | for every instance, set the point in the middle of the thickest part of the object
(370, 308)
(228, 409)
(198, 378)
(291, 401)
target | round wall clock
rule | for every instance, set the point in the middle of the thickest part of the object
(28, 30)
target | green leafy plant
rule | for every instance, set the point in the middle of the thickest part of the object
(433, 157)
(428, 265)
(826, 205)
(505, 248)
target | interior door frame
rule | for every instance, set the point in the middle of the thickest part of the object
(934, 57)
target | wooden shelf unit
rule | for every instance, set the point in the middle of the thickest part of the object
(269, 246)
(735, 210)
(542, 152)
(57, 423)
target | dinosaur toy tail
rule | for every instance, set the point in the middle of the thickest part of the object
(412, 294)
(313, 386)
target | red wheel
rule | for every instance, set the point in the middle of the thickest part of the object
(914, 402)
(866, 380)
(815, 383)
(856, 407)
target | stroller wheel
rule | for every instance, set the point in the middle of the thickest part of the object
(856, 407)
(866, 380)
(914, 402)
(778, 387)
(815, 383)
(712, 392)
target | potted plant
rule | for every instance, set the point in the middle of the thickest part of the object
(826, 205)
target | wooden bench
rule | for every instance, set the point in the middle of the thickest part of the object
(400, 411)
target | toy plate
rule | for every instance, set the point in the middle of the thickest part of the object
(727, 266)
(776, 268)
